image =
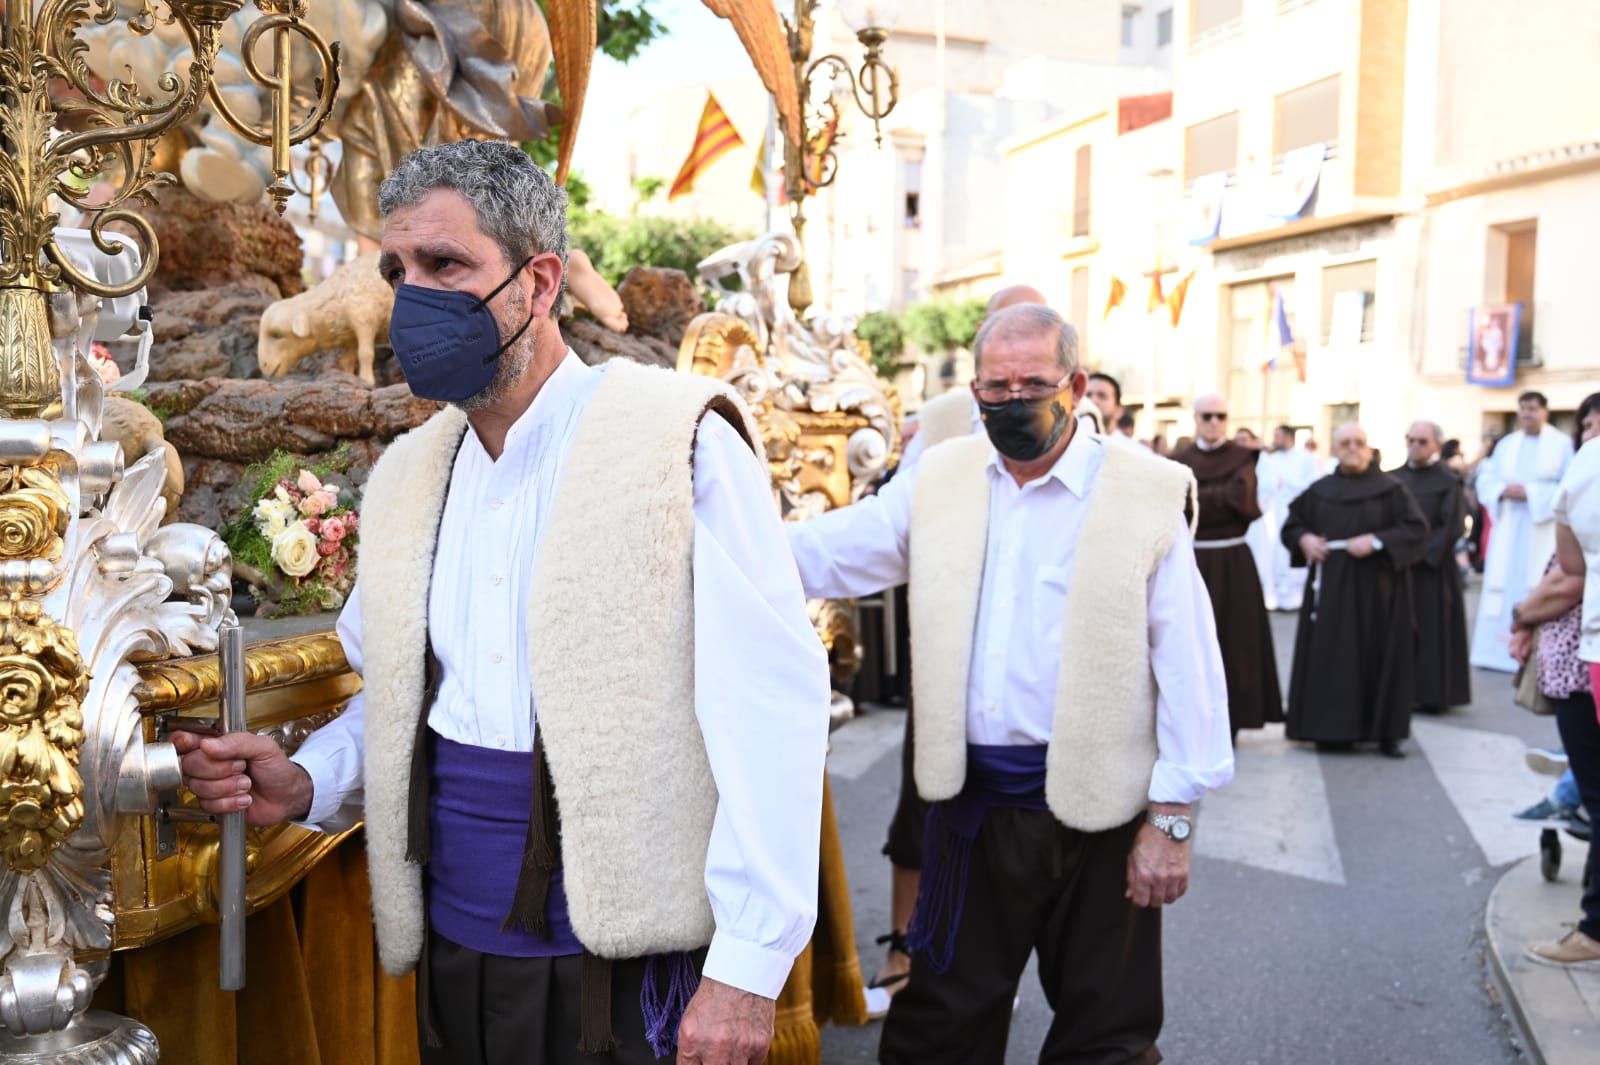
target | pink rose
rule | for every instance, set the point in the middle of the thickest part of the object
(352, 522)
(326, 547)
(313, 505)
(333, 528)
(314, 526)
(308, 482)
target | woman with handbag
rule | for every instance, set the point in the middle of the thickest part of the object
(1564, 678)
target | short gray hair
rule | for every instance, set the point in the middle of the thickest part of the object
(519, 205)
(1025, 320)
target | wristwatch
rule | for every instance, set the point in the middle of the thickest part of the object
(1177, 827)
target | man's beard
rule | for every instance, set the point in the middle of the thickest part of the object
(514, 360)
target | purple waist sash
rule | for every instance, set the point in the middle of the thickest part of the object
(997, 775)
(479, 800)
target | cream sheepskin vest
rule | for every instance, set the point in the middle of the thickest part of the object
(1103, 739)
(611, 618)
(945, 417)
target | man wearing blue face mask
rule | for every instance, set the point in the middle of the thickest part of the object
(589, 746)
(1069, 701)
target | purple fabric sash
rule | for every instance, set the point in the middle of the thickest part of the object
(997, 775)
(479, 799)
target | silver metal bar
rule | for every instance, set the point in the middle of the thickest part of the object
(231, 854)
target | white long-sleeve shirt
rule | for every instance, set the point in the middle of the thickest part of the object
(761, 678)
(1016, 654)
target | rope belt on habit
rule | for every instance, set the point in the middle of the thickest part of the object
(997, 775)
(1212, 545)
(1316, 576)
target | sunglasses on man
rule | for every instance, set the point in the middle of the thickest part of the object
(1213, 416)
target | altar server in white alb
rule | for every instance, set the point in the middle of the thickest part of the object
(1517, 488)
(1070, 707)
(589, 749)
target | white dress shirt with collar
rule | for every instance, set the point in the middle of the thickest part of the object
(1033, 534)
(761, 678)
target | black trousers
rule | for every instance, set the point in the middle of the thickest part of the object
(494, 1010)
(904, 846)
(1580, 735)
(1034, 884)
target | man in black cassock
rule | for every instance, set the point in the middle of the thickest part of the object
(1442, 674)
(1355, 652)
(1226, 475)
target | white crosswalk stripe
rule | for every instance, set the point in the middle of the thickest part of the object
(1274, 815)
(1484, 775)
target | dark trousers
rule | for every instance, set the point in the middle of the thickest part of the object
(1580, 735)
(904, 846)
(1034, 884)
(494, 1010)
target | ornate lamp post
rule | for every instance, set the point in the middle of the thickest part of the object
(812, 164)
(89, 586)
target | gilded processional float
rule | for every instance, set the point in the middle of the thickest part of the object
(117, 624)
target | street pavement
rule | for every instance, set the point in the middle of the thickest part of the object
(1336, 910)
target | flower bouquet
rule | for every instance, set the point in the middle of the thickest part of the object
(296, 541)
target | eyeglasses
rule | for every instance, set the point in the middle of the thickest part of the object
(1213, 415)
(1418, 440)
(1030, 391)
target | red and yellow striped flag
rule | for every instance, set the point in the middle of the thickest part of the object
(715, 138)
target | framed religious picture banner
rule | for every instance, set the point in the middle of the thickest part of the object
(1492, 343)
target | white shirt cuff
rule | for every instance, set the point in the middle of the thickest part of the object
(737, 963)
(1186, 784)
(325, 803)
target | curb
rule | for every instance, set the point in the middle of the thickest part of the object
(1556, 1022)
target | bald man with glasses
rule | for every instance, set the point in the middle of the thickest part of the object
(1226, 474)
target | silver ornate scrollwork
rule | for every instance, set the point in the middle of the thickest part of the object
(817, 367)
(110, 590)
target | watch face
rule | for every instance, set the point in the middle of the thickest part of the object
(1180, 829)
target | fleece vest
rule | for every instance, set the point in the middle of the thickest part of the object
(1102, 747)
(611, 623)
(945, 417)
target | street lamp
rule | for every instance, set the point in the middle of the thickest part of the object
(812, 164)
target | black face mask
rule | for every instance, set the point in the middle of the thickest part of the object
(1024, 429)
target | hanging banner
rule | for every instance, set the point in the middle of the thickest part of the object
(1492, 344)
(1292, 186)
(1203, 213)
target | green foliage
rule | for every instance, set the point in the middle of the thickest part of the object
(626, 29)
(617, 244)
(881, 330)
(647, 187)
(162, 409)
(941, 325)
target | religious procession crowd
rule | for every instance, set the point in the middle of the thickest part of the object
(589, 747)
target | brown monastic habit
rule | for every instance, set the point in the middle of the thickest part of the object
(1227, 491)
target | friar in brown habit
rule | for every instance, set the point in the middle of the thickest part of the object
(1226, 474)
(1443, 677)
(1355, 651)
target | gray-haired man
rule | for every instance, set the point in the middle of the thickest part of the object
(557, 608)
(1069, 704)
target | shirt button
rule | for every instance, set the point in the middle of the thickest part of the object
(500, 741)
(496, 579)
(496, 504)
(496, 657)
(991, 708)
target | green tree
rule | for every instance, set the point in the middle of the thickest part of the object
(881, 330)
(647, 187)
(940, 325)
(618, 244)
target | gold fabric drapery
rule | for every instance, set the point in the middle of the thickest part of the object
(316, 996)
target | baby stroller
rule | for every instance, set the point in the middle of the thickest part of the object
(1550, 846)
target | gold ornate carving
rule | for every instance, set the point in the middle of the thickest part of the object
(28, 377)
(34, 513)
(42, 682)
(196, 682)
(713, 343)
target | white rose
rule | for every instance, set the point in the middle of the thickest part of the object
(295, 550)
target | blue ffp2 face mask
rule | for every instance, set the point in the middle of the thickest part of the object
(448, 342)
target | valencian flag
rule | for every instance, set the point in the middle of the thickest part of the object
(1278, 335)
(715, 138)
